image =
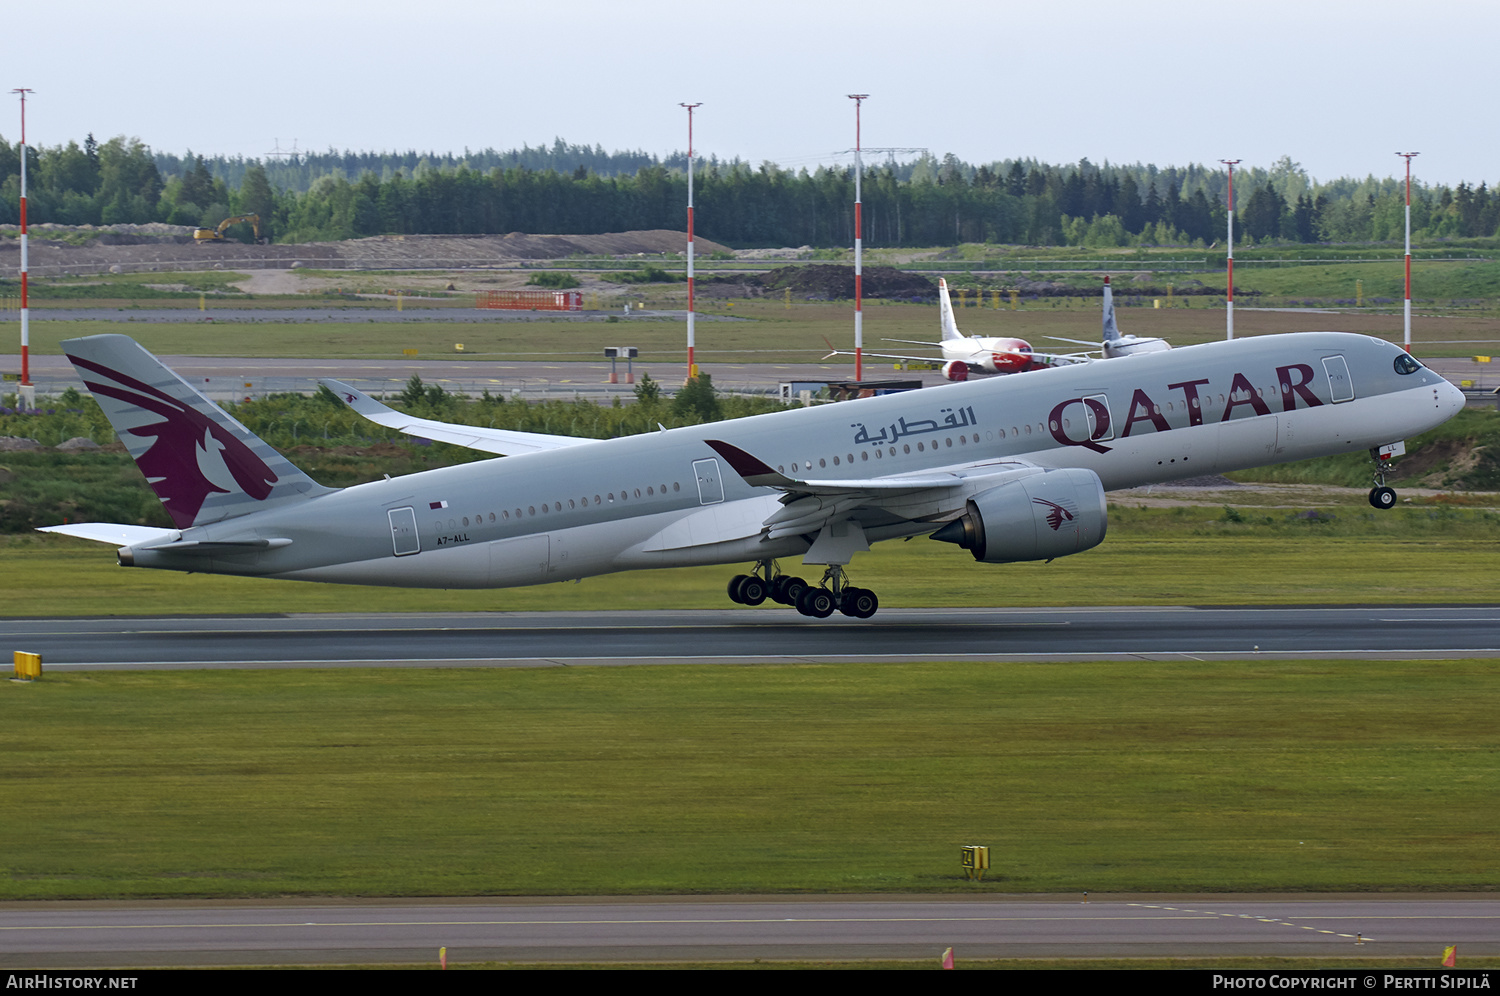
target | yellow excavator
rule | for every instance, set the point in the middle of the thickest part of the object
(202, 235)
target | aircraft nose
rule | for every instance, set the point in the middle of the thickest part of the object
(1450, 398)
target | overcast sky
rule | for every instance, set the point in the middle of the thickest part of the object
(1337, 85)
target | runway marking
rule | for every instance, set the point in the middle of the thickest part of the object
(1440, 619)
(596, 922)
(1089, 655)
(1276, 921)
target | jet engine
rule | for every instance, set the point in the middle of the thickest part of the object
(956, 370)
(1035, 515)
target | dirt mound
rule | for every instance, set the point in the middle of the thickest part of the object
(829, 282)
(172, 251)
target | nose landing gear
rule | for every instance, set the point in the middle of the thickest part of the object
(1381, 496)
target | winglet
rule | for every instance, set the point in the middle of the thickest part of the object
(361, 402)
(755, 472)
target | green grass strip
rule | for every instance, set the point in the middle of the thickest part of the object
(1156, 777)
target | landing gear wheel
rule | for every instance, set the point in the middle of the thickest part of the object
(1382, 497)
(787, 589)
(752, 591)
(734, 587)
(816, 602)
(860, 603)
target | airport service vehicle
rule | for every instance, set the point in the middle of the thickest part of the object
(1009, 468)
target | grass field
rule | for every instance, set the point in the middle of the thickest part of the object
(762, 332)
(1246, 776)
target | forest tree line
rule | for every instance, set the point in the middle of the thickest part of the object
(569, 189)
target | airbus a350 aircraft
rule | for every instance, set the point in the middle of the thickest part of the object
(963, 355)
(1010, 469)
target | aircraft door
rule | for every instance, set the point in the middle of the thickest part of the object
(1339, 384)
(1096, 408)
(404, 536)
(710, 486)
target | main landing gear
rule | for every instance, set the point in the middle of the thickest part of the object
(833, 592)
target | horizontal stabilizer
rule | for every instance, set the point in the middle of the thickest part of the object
(114, 533)
(473, 437)
(151, 538)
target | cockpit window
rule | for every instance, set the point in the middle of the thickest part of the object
(1406, 364)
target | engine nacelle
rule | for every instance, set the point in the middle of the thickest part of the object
(956, 370)
(1036, 515)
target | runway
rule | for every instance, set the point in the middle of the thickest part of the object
(759, 635)
(560, 375)
(69, 935)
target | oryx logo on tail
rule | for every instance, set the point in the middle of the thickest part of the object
(189, 456)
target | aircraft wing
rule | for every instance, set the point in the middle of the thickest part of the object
(808, 506)
(889, 356)
(475, 437)
(1057, 338)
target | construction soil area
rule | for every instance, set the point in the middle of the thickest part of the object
(147, 248)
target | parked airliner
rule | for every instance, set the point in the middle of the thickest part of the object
(1112, 344)
(1009, 468)
(979, 354)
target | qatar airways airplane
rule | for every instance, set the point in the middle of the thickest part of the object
(1008, 468)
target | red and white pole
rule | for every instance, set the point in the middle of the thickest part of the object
(1406, 341)
(859, 246)
(692, 370)
(1231, 164)
(27, 392)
